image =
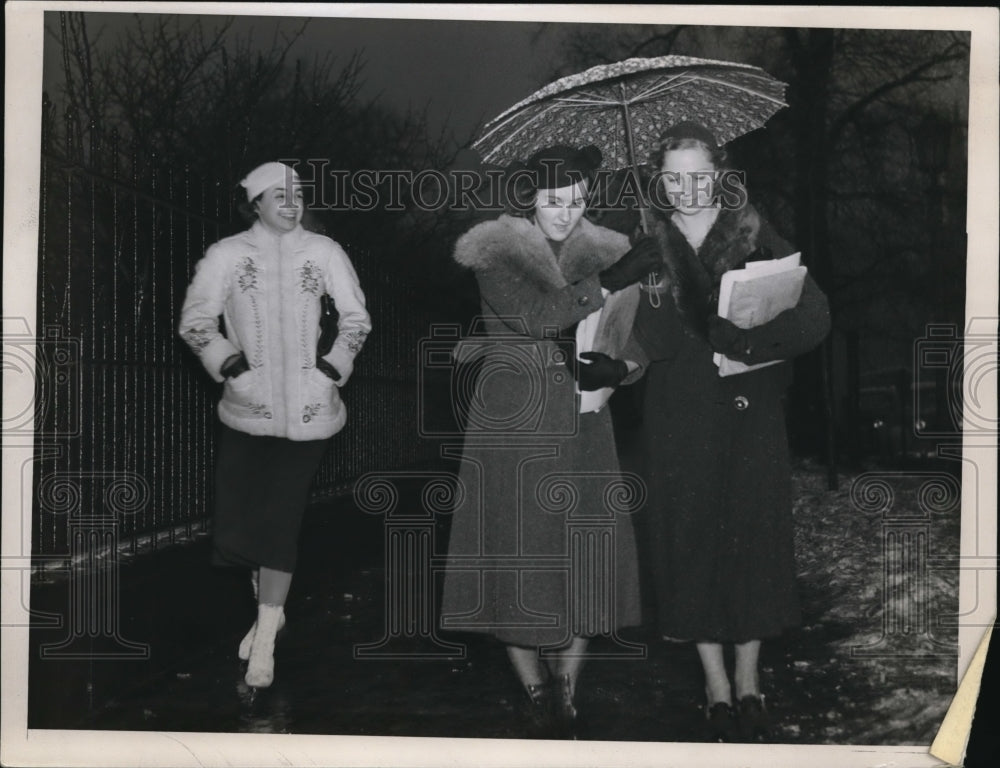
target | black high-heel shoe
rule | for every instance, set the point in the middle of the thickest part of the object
(755, 723)
(538, 709)
(722, 725)
(566, 715)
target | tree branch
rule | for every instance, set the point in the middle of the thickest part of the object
(909, 78)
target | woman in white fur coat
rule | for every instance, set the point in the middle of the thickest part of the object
(539, 455)
(281, 401)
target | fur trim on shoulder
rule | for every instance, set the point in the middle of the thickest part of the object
(238, 241)
(731, 240)
(515, 243)
(315, 239)
(694, 277)
(485, 243)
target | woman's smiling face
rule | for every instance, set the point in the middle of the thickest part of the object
(688, 177)
(558, 211)
(280, 207)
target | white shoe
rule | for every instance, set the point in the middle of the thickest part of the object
(247, 641)
(260, 669)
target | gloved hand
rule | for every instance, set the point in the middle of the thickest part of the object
(324, 367)
(643, 258)
(600, 371)
(234, 366)
(727, 338)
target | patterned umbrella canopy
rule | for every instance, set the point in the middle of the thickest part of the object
(623, 107)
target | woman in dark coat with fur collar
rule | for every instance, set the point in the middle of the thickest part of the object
(718, 471)
(540, 485)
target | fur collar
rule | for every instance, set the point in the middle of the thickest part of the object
(694, 277)
(517, 244)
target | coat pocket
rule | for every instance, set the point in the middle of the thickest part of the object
(320, 396)
(244, 393)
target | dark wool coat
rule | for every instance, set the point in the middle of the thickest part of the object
(541, 548)
(716, 452)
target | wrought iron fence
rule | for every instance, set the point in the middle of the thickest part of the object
(125, 419)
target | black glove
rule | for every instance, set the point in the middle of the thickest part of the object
(727, 338)
(325, 367)
(234, 366)
(602, 371)
(643, 258)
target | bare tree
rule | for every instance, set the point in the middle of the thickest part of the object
(850, 171)
(186, 93)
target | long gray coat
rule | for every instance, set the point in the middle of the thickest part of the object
(541, 495)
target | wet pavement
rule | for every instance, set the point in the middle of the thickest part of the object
(330, 678)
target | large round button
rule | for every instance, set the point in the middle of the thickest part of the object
(740, 403)
(583, 301)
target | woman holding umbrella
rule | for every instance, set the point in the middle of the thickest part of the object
(510, 574)
(717, 466)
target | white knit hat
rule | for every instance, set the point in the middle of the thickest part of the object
(266, 176)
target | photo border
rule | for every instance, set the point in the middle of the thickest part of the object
(977, 595)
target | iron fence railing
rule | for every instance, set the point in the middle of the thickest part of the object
(125, 419)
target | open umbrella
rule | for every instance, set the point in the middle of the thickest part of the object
(623, 107)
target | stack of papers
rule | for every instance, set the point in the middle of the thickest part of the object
(756, 294)
(586, 331)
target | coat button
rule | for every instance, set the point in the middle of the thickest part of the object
(740, 403)
(583, 301)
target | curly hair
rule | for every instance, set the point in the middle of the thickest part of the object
(669, 143)
(248, 209)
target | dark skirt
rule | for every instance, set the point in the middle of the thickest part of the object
(542, 547)
(261, 490)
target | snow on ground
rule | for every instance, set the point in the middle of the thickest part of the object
(877, 566)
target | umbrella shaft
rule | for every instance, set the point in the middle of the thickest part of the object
(630, 146)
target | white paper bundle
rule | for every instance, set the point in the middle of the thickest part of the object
(586, 330)
(756, 294)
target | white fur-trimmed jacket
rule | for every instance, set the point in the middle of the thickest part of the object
(267, 288)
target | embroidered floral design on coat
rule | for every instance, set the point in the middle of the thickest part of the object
(258, 332)
(247, 274)
(259, 409)
(309, 275)
(197, 338)
(309, 412)
(355, 340)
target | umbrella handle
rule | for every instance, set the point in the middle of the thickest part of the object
(654, 296)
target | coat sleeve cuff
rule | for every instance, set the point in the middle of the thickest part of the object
(343, 361)
(215, 354)
(635, 358)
